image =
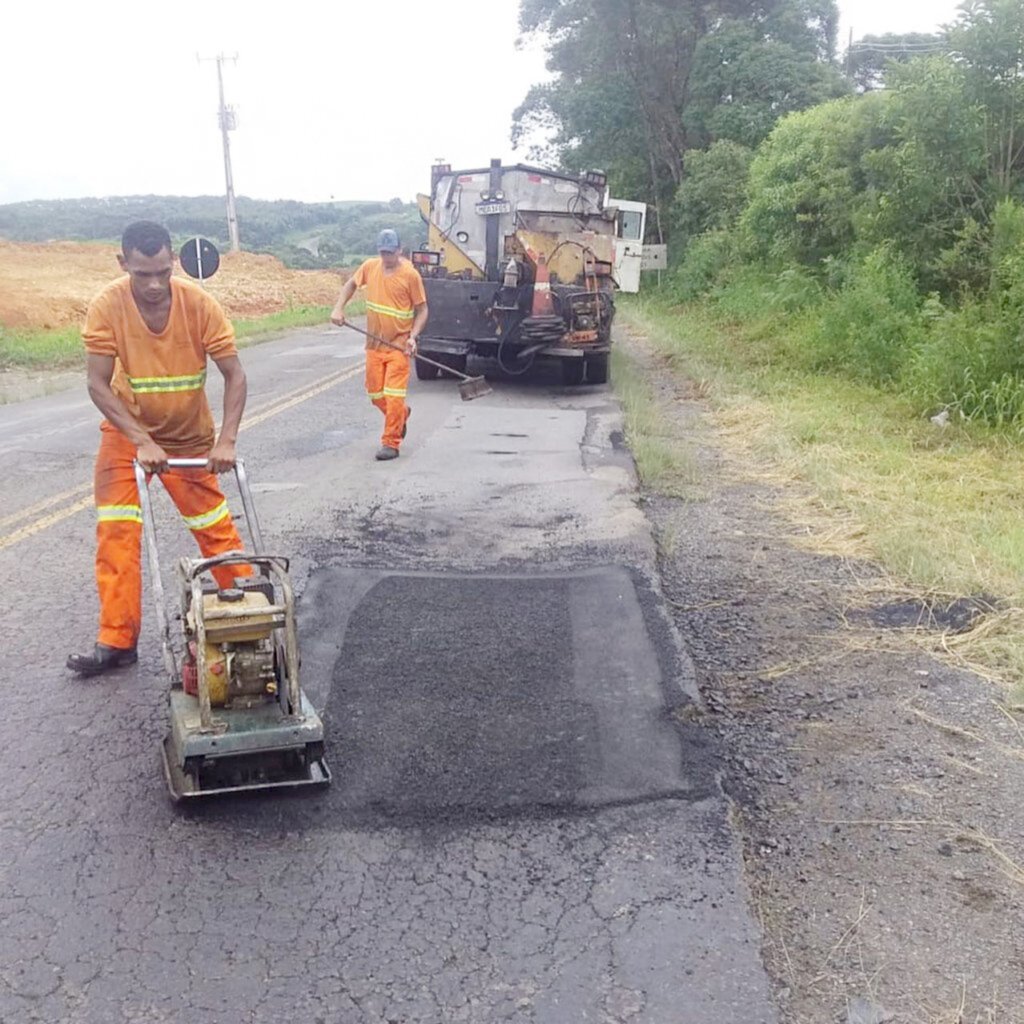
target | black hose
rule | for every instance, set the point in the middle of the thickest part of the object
(505, 338)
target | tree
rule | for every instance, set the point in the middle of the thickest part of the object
(808, 180)
(743, 81)
(714, 191)
(638, 83)
(988, 38)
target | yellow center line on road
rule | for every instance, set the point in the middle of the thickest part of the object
(272, 408)
(41, 506)
(10, 539)
(302, 395)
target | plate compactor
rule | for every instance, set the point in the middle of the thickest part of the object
(239, 720)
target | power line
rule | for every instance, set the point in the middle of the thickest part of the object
(903, 47)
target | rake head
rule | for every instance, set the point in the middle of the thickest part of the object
(474, 387)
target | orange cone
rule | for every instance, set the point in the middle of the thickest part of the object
(542, 301)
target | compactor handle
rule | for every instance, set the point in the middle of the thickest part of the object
(251, 521)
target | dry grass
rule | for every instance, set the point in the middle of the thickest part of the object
(926, 512)
(1004, 749)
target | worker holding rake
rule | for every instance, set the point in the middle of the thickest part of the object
(147, 338)
(396, 313)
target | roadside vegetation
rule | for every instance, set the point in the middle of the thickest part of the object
(847, 282)
(304, 236)
(265, 327)
(858, 474)
(663, 461)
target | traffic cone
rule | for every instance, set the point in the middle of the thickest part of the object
(542, 301)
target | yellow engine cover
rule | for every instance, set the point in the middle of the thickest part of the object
(255, 626)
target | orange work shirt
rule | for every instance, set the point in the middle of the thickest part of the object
(162, 377)
(390, 299)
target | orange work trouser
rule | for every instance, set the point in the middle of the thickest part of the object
(387, 381)
(119, 532)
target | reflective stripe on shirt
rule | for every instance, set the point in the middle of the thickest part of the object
(163, 385)
(398, 314)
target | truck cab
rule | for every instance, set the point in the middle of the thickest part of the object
(630, 228)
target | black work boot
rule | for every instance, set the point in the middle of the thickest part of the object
(386, 453)
(102, 659)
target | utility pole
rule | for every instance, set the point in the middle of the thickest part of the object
(228, 123)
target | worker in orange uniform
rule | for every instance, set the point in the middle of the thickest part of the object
(396, 310)
(147, 338)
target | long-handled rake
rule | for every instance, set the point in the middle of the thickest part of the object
(469, 387)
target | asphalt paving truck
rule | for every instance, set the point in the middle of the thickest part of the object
(519, 265)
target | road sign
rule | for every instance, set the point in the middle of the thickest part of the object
(199, 258)
(655, 257)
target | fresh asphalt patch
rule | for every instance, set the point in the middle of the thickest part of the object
(482, 694)
(451, 698)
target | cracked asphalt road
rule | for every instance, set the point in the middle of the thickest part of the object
(523, 826)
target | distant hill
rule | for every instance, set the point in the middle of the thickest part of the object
(302, 235)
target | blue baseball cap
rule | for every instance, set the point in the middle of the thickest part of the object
(387, 241)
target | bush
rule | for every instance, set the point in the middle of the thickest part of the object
(713, 192)
(868, 327)
(706, 259)
(807, 181)
(971, 362)
(757, 292)
(972, 359)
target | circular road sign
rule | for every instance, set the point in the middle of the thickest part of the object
(199, 258)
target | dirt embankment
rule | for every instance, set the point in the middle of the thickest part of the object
(46, 286)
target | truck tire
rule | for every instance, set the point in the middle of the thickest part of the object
(424, 371)
(597, 368)
(572, 372)
(456, 363)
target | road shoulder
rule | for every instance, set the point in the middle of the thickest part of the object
(875, 787)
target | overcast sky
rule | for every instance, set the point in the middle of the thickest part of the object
(343, 100)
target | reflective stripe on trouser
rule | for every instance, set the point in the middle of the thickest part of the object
(387, 379)
(198, 498)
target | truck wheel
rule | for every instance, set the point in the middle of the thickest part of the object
(456, 363)
(597, 369)
(424, 371)
(572, 372)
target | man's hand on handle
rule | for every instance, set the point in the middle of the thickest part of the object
(348, 289)
(222, 457)
(151, 457)
(412, 345)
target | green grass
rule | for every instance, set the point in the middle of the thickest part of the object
(938, 508)
(662, 463)
(56, 350)
(259, 328)
(38, 350)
